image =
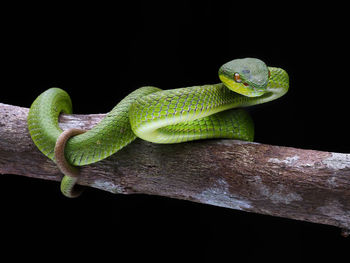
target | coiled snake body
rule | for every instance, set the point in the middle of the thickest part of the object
(159, 116)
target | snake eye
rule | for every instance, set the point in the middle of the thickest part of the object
(237, 78)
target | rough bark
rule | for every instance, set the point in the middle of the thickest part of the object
(280, 181)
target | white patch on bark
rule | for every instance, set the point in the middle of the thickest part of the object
(280, 194)
(106, 186)
(332, 181)
(288, 160)
(219, 195)
(338, 161)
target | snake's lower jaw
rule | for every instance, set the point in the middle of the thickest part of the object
(240, 88)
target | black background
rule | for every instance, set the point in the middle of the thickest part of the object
(99, 54)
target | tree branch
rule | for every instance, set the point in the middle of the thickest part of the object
(287, 182)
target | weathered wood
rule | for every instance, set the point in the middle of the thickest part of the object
(280, 181)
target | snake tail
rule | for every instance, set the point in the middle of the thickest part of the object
(71, 173)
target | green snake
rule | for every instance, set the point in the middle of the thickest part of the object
(158, 116)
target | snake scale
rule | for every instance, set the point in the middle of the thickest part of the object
(155, 115)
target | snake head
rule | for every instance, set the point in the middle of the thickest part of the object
(247, 76)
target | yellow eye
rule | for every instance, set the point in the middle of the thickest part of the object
(237, 78)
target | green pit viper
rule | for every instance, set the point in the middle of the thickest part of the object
(155, 115)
